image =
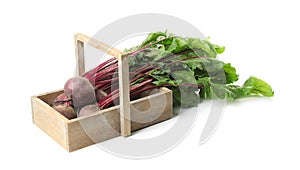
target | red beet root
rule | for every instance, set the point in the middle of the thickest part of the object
(81, 91)
(62, 99)
(88, 110)
(67, 111)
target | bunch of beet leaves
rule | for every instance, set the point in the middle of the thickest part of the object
(187, 66)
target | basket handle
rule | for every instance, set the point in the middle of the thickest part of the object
(80, 40)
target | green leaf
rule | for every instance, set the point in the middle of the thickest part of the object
(228, 92)
(186, 96)
(186, 77)
(194, 64)
(252, 87)
(257, 86)
(231, 75)
(152, 37)
(164, 81)
(219, 49)
(189, 65)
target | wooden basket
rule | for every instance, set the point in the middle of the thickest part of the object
(105, 124)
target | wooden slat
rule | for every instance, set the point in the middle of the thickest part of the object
(124, 96)
(80, 39)
(79, 51)
(105, 124)
(99, 45)
(84, 131)
(49, 120)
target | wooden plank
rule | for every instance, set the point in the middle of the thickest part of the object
(79, 52)
(50, 121)
(98, 45)
(105, 124)
(89, 130)
(124, 96)
(80, 39)
(49, 97)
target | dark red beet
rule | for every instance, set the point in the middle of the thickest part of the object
(88, 110)
(67, 111)
(81, 91)
(62, 99)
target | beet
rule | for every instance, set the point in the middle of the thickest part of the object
(81, 91)
(67, 111)
(88, 110)
(62, 99)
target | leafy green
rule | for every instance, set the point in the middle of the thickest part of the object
(186, 96)
(257, 86)
(231, 75)
(153, 37)
(176, 44)
(189, 67)
(252, 87)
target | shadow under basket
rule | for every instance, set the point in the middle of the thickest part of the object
(102, 125)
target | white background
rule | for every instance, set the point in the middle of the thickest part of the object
(261, 39)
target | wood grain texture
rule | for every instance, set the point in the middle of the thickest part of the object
(123, 66)
(124, 96)
(49, 120)
(103, 125)
(98, 45)
(79, 52)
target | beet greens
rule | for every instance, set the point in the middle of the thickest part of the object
(187, 66)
